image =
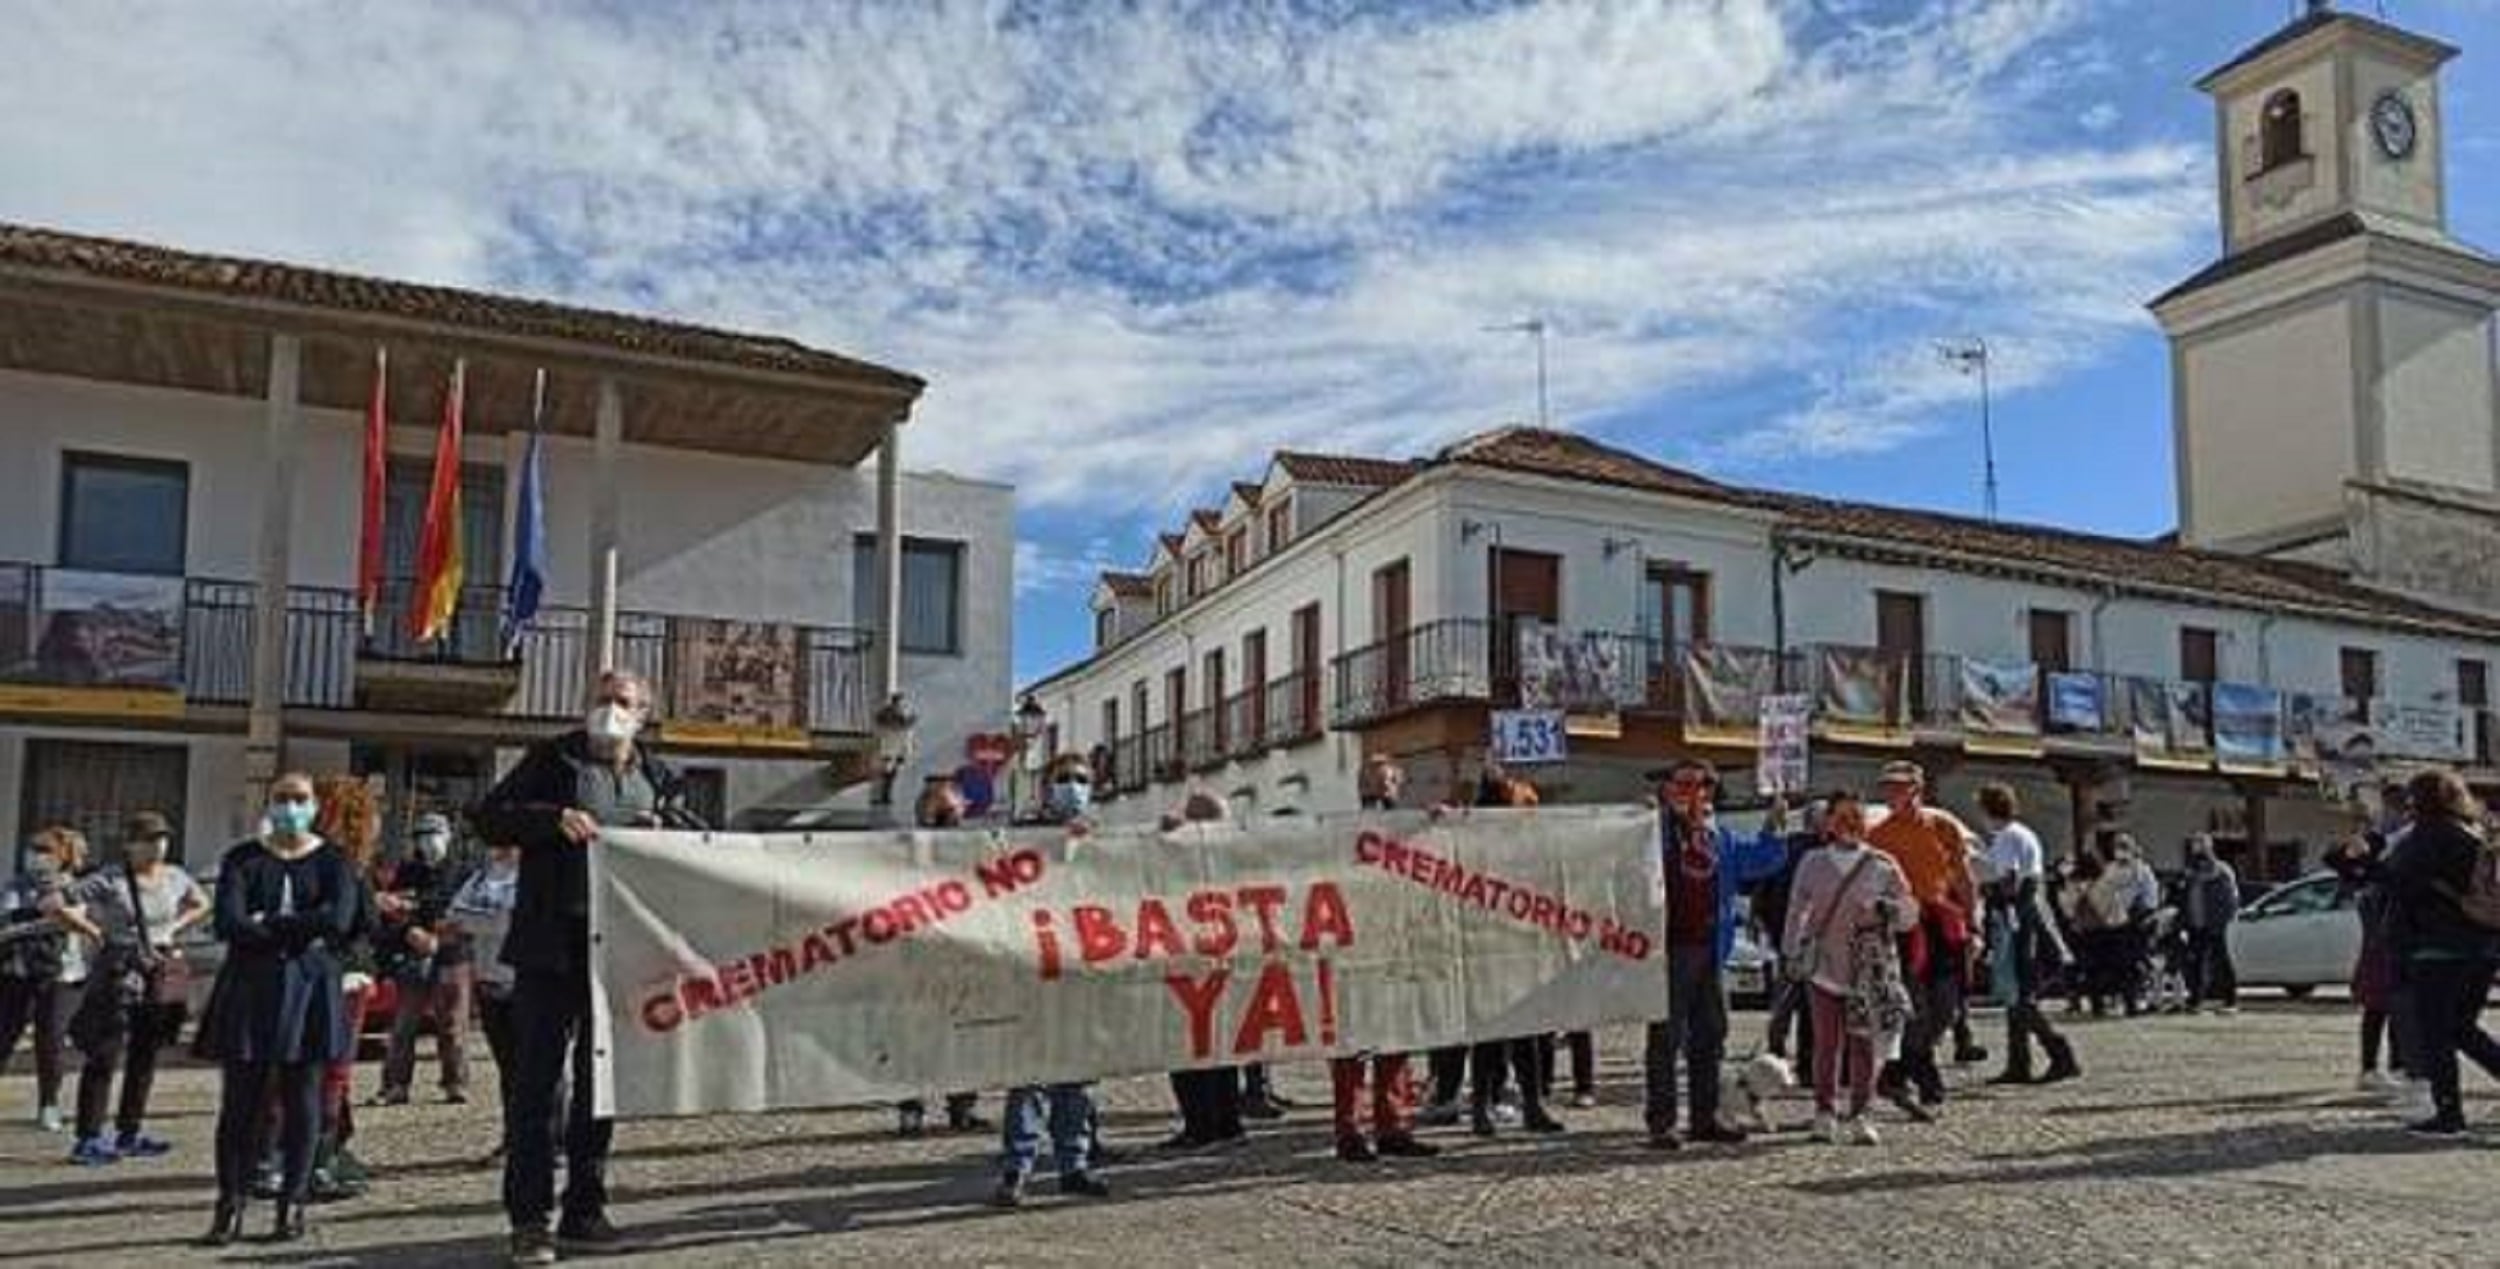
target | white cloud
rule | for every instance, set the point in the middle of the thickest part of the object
(1044, 569)
(1136, 249)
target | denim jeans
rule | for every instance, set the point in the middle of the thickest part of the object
(1070, 1119)
(1695, 1031)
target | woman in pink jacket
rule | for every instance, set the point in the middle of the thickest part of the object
(1845, 916)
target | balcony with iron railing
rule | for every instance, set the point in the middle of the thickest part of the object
(1293, 715)
(193, 637)
(1860, 692)
(1202, 739)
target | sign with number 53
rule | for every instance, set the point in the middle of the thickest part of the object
(1527, 737)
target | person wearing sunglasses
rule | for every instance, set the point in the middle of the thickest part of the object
(1707, 865)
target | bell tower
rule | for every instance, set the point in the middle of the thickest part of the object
(2342, 347)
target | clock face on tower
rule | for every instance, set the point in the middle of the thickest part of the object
(2392, 125)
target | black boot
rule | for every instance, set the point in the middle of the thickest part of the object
(2062, 1065)
(289, 1224)
(227, 1225)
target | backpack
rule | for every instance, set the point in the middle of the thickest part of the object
(2481, 900)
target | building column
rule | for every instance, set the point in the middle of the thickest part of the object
(2253, 824)
(264, 728)
(607, 447)
(889, 674)
(2082, 815)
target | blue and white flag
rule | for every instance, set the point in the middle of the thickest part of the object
(529, 533)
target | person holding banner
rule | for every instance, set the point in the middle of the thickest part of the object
(553, 805)
(1067, 1110)
(1929, 845)
(1392, 1097)
(1519, 1058)
(1706, 866)
(1210, 1099)
(941, 805)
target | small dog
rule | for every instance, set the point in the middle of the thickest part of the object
(1762, 1077)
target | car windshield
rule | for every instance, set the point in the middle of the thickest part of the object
(2315, 894)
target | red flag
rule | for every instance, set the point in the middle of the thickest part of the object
(439, 566)
(377, 445)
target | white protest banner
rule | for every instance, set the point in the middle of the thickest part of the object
(1786, 722)
(1529, 737)
(750, 972)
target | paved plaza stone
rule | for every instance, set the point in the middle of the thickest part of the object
(2194, 1140)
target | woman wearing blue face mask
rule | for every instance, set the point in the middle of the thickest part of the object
(286, 904)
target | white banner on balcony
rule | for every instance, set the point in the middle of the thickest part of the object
(1585, 673)
(747, 972)
(2427, 731)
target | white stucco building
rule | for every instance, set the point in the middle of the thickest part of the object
(2335, 588)
(184, 438)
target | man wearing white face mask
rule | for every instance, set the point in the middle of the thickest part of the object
(427, 972)
(553, 806)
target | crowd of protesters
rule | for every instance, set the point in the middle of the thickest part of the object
(1887, 913)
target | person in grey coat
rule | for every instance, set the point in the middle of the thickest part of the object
(2209, 901)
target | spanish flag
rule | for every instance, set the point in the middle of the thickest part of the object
(439, 566)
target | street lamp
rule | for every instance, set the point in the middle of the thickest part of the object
(1030, 719)
(896, 746)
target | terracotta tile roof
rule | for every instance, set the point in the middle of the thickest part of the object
(1344, 469)
(2126, 562)
(229, 277)
(1548, 452)
(1130, 585)
(1928, 535)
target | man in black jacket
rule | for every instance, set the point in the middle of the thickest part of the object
(553, 805)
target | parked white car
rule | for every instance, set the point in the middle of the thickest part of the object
(2297, 936)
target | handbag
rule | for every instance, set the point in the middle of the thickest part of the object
(165, 977)
(1800, 967)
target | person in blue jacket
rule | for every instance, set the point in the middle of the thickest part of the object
(1706, 865)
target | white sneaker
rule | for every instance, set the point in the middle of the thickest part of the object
(1826, 1128)
(1862, 1132)
(2413, 1101)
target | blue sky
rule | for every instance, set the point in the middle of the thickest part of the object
(1136, 247)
